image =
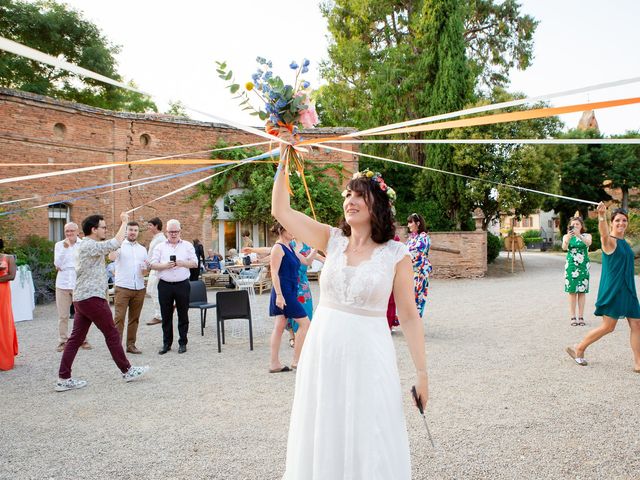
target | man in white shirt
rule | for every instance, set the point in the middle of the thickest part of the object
(155, 227)
(173, 259)
(64, 259)
(130, 266)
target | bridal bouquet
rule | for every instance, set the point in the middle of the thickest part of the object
(281, 105)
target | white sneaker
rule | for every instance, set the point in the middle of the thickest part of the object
(62, 385)
(134, 373)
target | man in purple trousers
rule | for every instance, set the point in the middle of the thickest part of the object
(90, 302)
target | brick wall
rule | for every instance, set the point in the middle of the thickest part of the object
(470, 263)
(37, 129)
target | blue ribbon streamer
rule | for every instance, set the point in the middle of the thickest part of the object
(169, 177)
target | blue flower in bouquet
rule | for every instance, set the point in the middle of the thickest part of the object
(284, 105)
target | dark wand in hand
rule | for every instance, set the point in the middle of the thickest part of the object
(416, 398)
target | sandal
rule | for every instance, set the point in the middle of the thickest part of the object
(579, 360)
(581, 322)
(280, 370)
(574, 322)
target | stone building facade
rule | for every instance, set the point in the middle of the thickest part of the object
(37, 130)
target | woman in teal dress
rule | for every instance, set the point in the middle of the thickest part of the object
(576, 270)
(617, 297)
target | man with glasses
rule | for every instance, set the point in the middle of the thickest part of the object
(64, 259)
(173, 259)
(90, 301)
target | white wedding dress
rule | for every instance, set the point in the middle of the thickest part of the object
(347, 420)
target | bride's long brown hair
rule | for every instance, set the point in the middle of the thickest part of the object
(382, 220)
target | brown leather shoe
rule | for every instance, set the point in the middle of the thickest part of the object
(133, 349)
(154, 321)
(60, 347)
(86, 346)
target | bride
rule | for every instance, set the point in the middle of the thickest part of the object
(347, 420)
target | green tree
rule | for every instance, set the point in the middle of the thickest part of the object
(177, 109)
(623, 166)
(377, 47)
(583, 169)
(393, 61)
(528, 166)
(448, 87)
(256, 179)
(61, 31)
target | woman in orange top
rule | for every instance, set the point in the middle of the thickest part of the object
(8, 337)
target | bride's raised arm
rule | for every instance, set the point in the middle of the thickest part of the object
(297, 223)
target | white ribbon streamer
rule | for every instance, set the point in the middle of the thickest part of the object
(510, 141)
(98, 193)
(36, 197)
(38, 56)
(497, 106)
(468, 177)
(186, 187)
(36, 176)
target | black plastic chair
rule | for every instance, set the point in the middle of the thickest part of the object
(198, 299)
(232, 304)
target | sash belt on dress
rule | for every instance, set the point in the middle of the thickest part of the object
(354, 310)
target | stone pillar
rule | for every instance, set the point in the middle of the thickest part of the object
(478, 217)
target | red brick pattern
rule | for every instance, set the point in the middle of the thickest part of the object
(28, 134)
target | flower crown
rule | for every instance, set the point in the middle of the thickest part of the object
(376, 179)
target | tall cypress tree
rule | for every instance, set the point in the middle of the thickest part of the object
(384, 67)
(449, 89)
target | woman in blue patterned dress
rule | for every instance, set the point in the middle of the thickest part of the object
(419, 243)
(576, 272)
(306, 255)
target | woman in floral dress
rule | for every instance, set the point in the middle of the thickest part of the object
(419, 243)
(576, 272)
(304, 289)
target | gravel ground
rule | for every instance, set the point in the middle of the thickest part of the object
(506, 401)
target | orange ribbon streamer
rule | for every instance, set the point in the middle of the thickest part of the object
(491, 119)
(513, 116)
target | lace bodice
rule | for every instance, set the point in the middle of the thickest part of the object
(366, 286)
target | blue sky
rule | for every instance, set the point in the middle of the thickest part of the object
(169, 48)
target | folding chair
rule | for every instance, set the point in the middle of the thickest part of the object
(231, 305)
(198, 299)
